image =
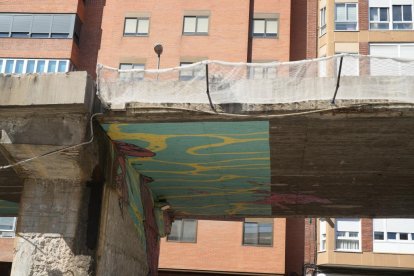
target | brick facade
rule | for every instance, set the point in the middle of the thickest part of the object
(312, 29)
(363, 9)
(366, 234)
(219, 247)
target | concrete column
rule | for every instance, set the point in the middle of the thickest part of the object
(51, 229)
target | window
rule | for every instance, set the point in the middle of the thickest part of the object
(191, 72)
(346, 17)
(37, 25)
(7, 227)
(379, 236)
(25, 66)
(184, 230)
(347, 233)
(389, 67)
(257, 233)
(393, 236)
(195, 25)
(322, 235)
(402, 17)
(132, 66)
(265, 27)
(379, 18)
(323, 21)
(136, 26)
(262, 71)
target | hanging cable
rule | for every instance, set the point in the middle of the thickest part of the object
(55, 151)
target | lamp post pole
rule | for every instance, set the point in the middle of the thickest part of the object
(158, 49)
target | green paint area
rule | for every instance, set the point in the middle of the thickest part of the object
(203, 168)
(8, 208)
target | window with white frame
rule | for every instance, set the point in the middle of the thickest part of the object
(322, 21)
(379, 18)
(37, 25)
(28, 66)
(347, 235)
(183, 230)
(136, 26)
(322, 235)
(402, 17)
(265, 27)
(393, 236)
(258, 233)
(346, 17)
(131, 74)
(7, 227)
(391, 14)
(195, 25)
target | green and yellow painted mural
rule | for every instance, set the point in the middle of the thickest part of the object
(202, 168)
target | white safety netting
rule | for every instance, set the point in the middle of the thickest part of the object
(361, 78)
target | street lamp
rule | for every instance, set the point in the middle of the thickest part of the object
(158, 50)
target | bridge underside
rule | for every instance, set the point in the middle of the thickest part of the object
(351, 162)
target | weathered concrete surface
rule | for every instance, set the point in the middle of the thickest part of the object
(50, 229)
(51, 89)
(121, 251)
(354, 161)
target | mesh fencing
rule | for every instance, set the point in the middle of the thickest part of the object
(361, 78)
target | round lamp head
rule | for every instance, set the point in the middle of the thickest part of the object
(158, 49)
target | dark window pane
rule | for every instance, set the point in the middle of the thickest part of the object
(175, 231)
(391, 235)
(373, 14)
(62, 66)
(6, 223)
(30, 66)
(40, 35)
(250, 233)
(60, 35)
(384, 14)
(4, 34)
(23, 35)
(379, 235)
(265, 233)
(396, 13)
(9, 66)
(404, 236)
(407, 13)
(19, 66)
(40, 66)
(189, 231)
(52, 66)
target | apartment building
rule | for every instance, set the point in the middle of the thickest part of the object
(348, 246)
(253, 247)
(191, 31)
(366, 27)
(49, 36)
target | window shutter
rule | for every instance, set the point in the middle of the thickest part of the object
(130, 25)
(322, 225)
(41, 24)
(400, 225)
(351, 225)
(62, 24)
(271, 27)
(143, 26)
(202, 25)
(258, 26)
(21, 23)
(378, 225)
(5, 23)
(189, 24)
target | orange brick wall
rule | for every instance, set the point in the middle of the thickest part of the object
(227, 39)
(219, 248)
(270, 48)
(312, 29)
(363, 8)
(366, 234)
(44, 6)
(6, 249)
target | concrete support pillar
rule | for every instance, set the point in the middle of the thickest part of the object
(51, 229)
